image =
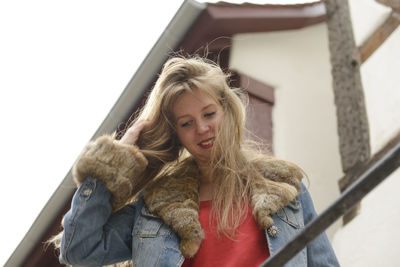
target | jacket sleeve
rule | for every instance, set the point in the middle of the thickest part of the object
(93, 235)
(118, 166)
(319, 252)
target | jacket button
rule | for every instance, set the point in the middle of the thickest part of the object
(87, 192)
(272, 231)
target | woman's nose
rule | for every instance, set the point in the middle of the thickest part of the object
(202, 128)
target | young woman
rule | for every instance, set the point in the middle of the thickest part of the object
(182, 188)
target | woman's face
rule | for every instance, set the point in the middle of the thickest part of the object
(198, 118)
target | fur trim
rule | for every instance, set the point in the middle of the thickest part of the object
(175, 198)
(282, 185)
(115, 164)
(267, 198)
(281, 171)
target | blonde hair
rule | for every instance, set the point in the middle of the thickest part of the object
(236, 166)
(232, 163)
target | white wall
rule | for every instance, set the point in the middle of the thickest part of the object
(380, 73)
(297, 64)
(372, 238)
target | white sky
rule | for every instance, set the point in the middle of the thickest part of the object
(63, 64)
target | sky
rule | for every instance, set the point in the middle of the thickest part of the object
(63, 65)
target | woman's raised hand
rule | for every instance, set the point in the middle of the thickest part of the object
(132, 134)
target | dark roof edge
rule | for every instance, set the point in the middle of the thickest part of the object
(169, 39)
(249, 4)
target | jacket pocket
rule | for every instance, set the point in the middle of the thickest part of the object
(149, 225)
(150, 239)
(292, 214)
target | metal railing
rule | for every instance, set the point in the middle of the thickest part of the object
(348, 199)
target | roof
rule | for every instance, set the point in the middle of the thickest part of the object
(225, 19)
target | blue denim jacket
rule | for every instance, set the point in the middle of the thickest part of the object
(93, 236)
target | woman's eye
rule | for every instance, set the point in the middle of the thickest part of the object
(210, 114)
(186, 124)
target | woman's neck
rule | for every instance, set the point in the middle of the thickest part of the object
(206, 176)
(206, 182)
(206, 191)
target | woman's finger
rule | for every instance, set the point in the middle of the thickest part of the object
(132, 134)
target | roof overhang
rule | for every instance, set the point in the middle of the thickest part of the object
(220, 21)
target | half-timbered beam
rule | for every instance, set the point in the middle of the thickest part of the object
(379, 36)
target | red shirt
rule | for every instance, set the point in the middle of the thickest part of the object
(248, 249)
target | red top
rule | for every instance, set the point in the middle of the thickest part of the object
(248, 249)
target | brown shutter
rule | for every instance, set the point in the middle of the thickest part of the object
(259, 109)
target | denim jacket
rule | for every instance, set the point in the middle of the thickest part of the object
(94, 236)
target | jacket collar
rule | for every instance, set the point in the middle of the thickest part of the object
(175, 198)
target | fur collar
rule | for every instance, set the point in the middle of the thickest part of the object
(175, 198)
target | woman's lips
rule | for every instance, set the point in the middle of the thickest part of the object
(207, 143)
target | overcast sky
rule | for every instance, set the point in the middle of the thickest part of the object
(63, 64)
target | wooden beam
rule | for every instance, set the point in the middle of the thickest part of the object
(394, 4)
(351, 112)
(350, 178)
(379, 36)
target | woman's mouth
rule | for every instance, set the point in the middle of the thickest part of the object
(207, 143)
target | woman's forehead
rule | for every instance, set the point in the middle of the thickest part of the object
(188, 102)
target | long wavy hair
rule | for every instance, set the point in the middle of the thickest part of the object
(233, 162)
(236, 165)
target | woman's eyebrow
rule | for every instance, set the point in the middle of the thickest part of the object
(205, 107)
(209, 105)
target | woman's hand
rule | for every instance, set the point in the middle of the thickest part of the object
(132, 134)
